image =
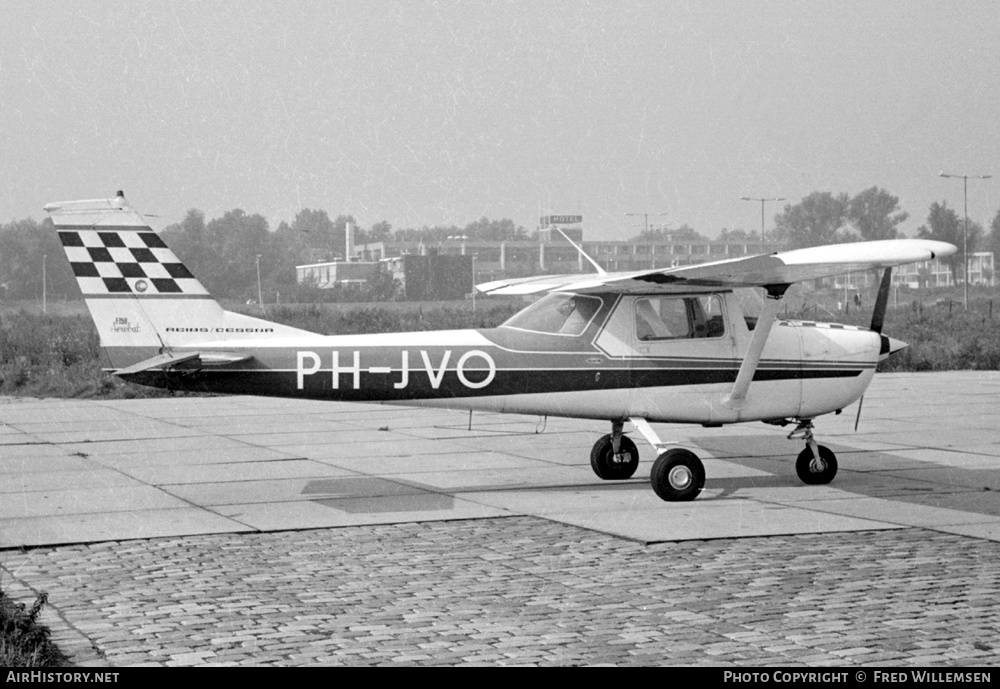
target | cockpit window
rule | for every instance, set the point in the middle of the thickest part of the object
(557, 314)
(674, 318)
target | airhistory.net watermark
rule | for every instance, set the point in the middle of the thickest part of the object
(60, 677)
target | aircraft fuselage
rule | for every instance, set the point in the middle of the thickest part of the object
(605, 364)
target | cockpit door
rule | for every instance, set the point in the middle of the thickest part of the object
(683, 332)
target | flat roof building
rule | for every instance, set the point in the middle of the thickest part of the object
(335, 274)
(551, 253)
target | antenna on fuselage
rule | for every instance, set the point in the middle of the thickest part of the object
(600, 271)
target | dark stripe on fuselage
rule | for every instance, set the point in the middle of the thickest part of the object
(381, 387)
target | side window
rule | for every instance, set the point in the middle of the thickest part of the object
(674, 318)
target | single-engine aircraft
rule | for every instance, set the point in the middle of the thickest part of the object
(671, 345)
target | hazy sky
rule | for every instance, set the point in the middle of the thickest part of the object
(434, 112)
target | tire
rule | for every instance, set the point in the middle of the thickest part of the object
(678, 475)
(803, 466)
(602, 459)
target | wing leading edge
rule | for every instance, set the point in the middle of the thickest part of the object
(782, 268)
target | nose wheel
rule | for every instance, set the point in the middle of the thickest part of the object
(816, 465)
(814, 470)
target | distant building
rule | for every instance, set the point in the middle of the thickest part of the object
(980, 272)
(981, 269)
(343, 274)
(550, 253)
(435, 277)
(423, 277)
(551, 228)
(335, 274)
(935, 273)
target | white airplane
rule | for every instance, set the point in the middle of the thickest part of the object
(671, 345)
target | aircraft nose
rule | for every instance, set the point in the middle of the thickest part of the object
(890, 346)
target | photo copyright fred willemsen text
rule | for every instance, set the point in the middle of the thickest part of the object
(783, 676)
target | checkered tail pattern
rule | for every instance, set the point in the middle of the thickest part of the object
(114, 252)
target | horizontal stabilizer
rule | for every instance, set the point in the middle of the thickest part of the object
(165, 362)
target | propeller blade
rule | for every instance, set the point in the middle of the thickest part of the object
(882, 301)
(858, 417)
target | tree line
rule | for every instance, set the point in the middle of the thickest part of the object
(223, 252)
(873, 214)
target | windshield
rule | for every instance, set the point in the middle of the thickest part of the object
(557, 314)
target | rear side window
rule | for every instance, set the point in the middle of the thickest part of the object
(678, 318)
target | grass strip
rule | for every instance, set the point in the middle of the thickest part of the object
(24, 641)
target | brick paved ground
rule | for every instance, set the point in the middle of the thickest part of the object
(519, 590)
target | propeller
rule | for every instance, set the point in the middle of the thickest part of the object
(881, 301)
(878, 320)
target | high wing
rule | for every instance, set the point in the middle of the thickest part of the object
(781, 268)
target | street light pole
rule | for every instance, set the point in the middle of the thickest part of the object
(260, 297)
(763, 238)
(965, 249)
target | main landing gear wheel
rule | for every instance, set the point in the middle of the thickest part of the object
(678, 475)
(610, 467)
(816, 472)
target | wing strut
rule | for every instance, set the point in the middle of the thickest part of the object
(766, 319)
(600, 271)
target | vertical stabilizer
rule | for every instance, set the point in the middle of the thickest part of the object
(143, 299)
